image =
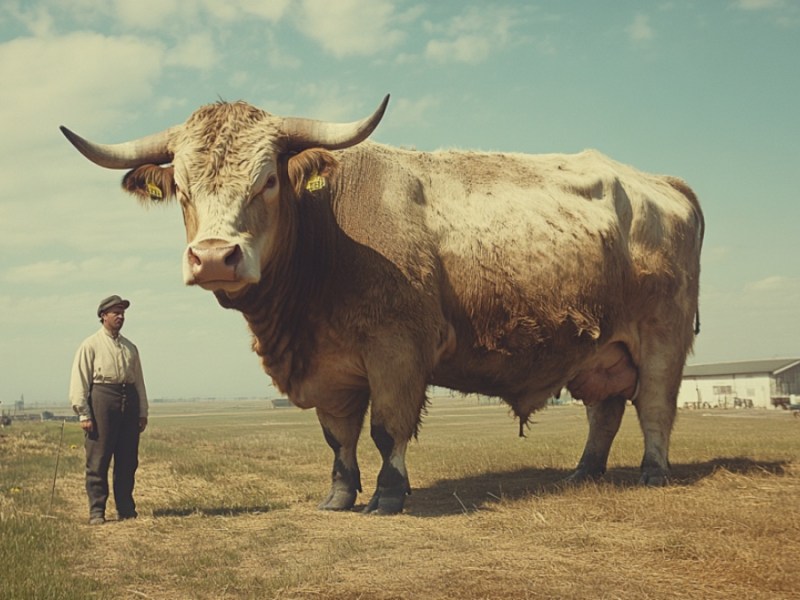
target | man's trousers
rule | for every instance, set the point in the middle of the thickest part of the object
(115, 410)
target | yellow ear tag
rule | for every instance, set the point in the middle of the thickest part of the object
(317, 182)
(155, 192)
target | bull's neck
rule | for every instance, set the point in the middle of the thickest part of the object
(286, 305)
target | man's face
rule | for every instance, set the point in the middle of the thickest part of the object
(114, 318)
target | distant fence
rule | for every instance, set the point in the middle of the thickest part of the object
(45, 415)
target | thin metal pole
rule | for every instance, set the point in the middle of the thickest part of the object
(55, 475)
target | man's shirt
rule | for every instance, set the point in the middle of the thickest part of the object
(102, 358)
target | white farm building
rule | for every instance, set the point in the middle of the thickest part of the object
(768, 383)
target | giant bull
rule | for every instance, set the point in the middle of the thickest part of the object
(367, 273)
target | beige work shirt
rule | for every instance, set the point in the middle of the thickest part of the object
(102, 358)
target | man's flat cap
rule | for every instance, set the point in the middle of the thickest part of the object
(107, 303)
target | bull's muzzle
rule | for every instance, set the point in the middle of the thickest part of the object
(213, 261)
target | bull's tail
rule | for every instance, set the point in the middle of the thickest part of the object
(684, 189)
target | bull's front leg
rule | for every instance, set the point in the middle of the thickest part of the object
(396, 408)
(341, 434)
(393, 486)
(398, 366)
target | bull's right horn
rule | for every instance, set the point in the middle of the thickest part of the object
(151, 149)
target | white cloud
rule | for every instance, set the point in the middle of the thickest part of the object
(715, 254)
(785, 15)
(774, 284)
(168, 103)
(38, 21)
(92, 83)
(753, 319)
(331, 102)
(759, 4)
(277, 56)
(471, 49)
(47, 80)
(408, 112)
(196, 51)
(149, 14)
(190, 17)
(41, 272)
(470, 37)
(350, 27)
(640, 30)
(269, 10)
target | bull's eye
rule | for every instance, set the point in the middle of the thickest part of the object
(272, 181)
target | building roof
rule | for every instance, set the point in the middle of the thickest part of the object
(772, 366)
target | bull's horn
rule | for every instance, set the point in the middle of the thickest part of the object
(147, 150)
(308, 133)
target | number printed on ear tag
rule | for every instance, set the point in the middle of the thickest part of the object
(317, 182)
(155, 192)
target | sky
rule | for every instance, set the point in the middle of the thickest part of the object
(704, 90)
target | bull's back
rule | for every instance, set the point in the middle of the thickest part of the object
(535, 258)
(464, 201)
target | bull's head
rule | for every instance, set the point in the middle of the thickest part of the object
(230, 166)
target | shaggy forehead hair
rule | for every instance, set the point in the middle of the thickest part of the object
(225, 145)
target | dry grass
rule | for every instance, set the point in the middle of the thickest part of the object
(227, 504)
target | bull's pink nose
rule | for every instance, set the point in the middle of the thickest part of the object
(214, 262)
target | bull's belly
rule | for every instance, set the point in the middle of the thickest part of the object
(503, 376)
(589, 376)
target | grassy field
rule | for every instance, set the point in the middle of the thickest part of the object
(227, 495)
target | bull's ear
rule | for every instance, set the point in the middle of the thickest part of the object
(310, 169)
(150, 183)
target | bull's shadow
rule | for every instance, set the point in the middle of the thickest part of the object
(467, 494)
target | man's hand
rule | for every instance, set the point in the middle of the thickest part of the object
(87, 425)
(142, 424)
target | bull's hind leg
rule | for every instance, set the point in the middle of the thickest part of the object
(605, 384)
(604, 421)
(656, 405)
(342, 434)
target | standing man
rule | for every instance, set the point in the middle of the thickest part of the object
(107, 392)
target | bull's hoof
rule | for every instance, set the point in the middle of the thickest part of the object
(655, 473)
(654, 478)
(386, 502)
(581, 475)
(339, 500)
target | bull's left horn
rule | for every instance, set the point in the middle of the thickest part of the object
(151, 149)
(308, 133)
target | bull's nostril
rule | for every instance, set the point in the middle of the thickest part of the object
(193, 258)
(234, 257)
